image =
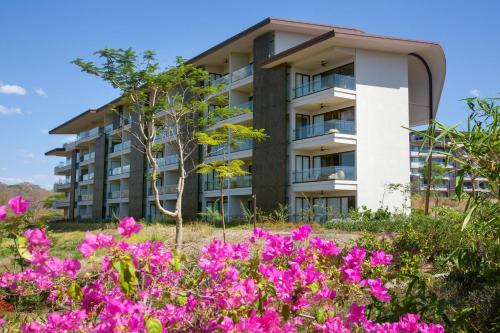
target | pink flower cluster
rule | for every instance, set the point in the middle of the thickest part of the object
(18, 206)
(273, 283)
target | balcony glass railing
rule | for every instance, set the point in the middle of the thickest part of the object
(224, 149)
(243, 145)
(326, 127)
(215, 185)
(121, 146)
(241, 181)
(336, 172)
(88, 156)
(108, 128)
(223, 80)
(87, 176)
(88, 134)
(164, 189)
(63, 164)
(165, 133)
(119, 170)
(326, 82)
(61, 182)
(85, 197)
(118, 194)
(242, 73)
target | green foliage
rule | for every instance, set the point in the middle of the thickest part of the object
(127, 278)
(153, 325)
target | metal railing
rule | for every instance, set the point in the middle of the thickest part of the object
(119, 170)
(164, 189)
(326, 82)
(242, 73)
(337, 172)
(87, 134)
(85, 197)
(167, 160)
(223, 80)
(120, 194)
(241, 181)
(121, 146)
(87, 157)
(325, 127)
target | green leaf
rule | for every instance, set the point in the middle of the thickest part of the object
(459, 180)
(153, 325)
(22, 248)
(126, 275)
(75, 291)
(182, 298)
(469, 215)
(176, 263)
(314, 287)
(321, 315)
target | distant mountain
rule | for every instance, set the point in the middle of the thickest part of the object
(29, 191)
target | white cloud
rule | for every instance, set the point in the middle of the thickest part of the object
(475, 92)
(11, 180)
(40, 92)
(11, 89)
(6, 111)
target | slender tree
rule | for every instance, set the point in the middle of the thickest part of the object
(180, 93)
(222, 137)
(438, 172)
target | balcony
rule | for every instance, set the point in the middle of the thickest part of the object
(167, 160)
(85, 197)
(223, 80)
(88, 134)
(118, 171)
(62, 167)
(87, 157)
(241, 181)
(62, 184)
(326, 127)
(336, 172)
(120, 147)
(235, 76)
(123, 194)
(108, 128)
(326, 82)
(164, 189)
(61, 203)
(242, 73)
(87, 178)
(167, 132)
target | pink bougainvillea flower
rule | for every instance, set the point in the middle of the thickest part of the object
(302, 233)
(379, 257)
(377, 289)
(3, 212)
(128, 226)
(356, 313)
(19, 205)
(37, 238)
(93, 242)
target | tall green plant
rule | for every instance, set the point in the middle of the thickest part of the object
(475, 149)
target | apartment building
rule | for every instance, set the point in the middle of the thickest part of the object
(445, 185)
(333, 101)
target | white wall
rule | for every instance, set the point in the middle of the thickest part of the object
(285, 40)
(382, 144)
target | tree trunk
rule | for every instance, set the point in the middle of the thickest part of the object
(178, 233)
(428, 189)
(222, 209)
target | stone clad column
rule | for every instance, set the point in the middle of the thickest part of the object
(269, 164)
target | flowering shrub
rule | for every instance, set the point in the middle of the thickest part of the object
(272, 283)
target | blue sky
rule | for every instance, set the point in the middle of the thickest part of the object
(40, 89)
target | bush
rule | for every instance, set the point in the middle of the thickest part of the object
(271, 283)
